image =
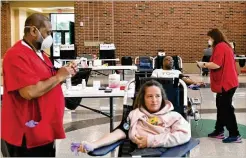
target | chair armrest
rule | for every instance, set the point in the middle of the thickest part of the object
(195, 101)
(105, 149)
(181, 150)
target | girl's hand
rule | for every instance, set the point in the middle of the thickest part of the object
(141, 141)
(86, 147)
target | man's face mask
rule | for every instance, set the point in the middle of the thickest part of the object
(44, 43)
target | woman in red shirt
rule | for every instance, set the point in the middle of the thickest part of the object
(224, 82)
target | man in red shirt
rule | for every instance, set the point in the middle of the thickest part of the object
(224, 82)
(33, 102)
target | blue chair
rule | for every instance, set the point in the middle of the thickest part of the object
(145, 66)
(173, 91)
(178, 151)
(144, 63)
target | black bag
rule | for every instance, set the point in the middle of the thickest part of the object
(242, 62)
(72, 103)
(126, 60)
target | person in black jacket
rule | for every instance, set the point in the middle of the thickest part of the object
(206, 57)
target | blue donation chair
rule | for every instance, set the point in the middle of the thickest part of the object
(144, 63)
(145, 66)
(176, 91)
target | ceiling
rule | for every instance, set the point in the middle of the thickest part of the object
(48, 6)
(52, 9)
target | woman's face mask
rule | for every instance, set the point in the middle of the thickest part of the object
(210, 42)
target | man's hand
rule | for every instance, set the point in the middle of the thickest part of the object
(42, 87)
(64, 72)
(141, 141)
(73, 65)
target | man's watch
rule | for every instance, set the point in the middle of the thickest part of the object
(204, 65)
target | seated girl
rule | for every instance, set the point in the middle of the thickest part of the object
(152, 123)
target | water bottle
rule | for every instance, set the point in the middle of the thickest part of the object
(90, 63)
(69, 82)
(196, 116)
(83, 84)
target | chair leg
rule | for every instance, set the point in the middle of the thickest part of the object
(187, 154)
(4, 149)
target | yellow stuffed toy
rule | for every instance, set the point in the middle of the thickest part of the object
(153, 120)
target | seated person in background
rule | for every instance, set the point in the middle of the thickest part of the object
(206, 58)
(165, 72)
(152, 123)
(208, 51)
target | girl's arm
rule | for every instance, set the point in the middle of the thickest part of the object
(107, 139)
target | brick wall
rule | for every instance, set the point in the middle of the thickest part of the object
(5, 28)
(140, 28)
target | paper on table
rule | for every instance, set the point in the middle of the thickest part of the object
(200, 63)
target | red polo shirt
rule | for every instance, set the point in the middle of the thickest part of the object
(226, 76)
(23, 67)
